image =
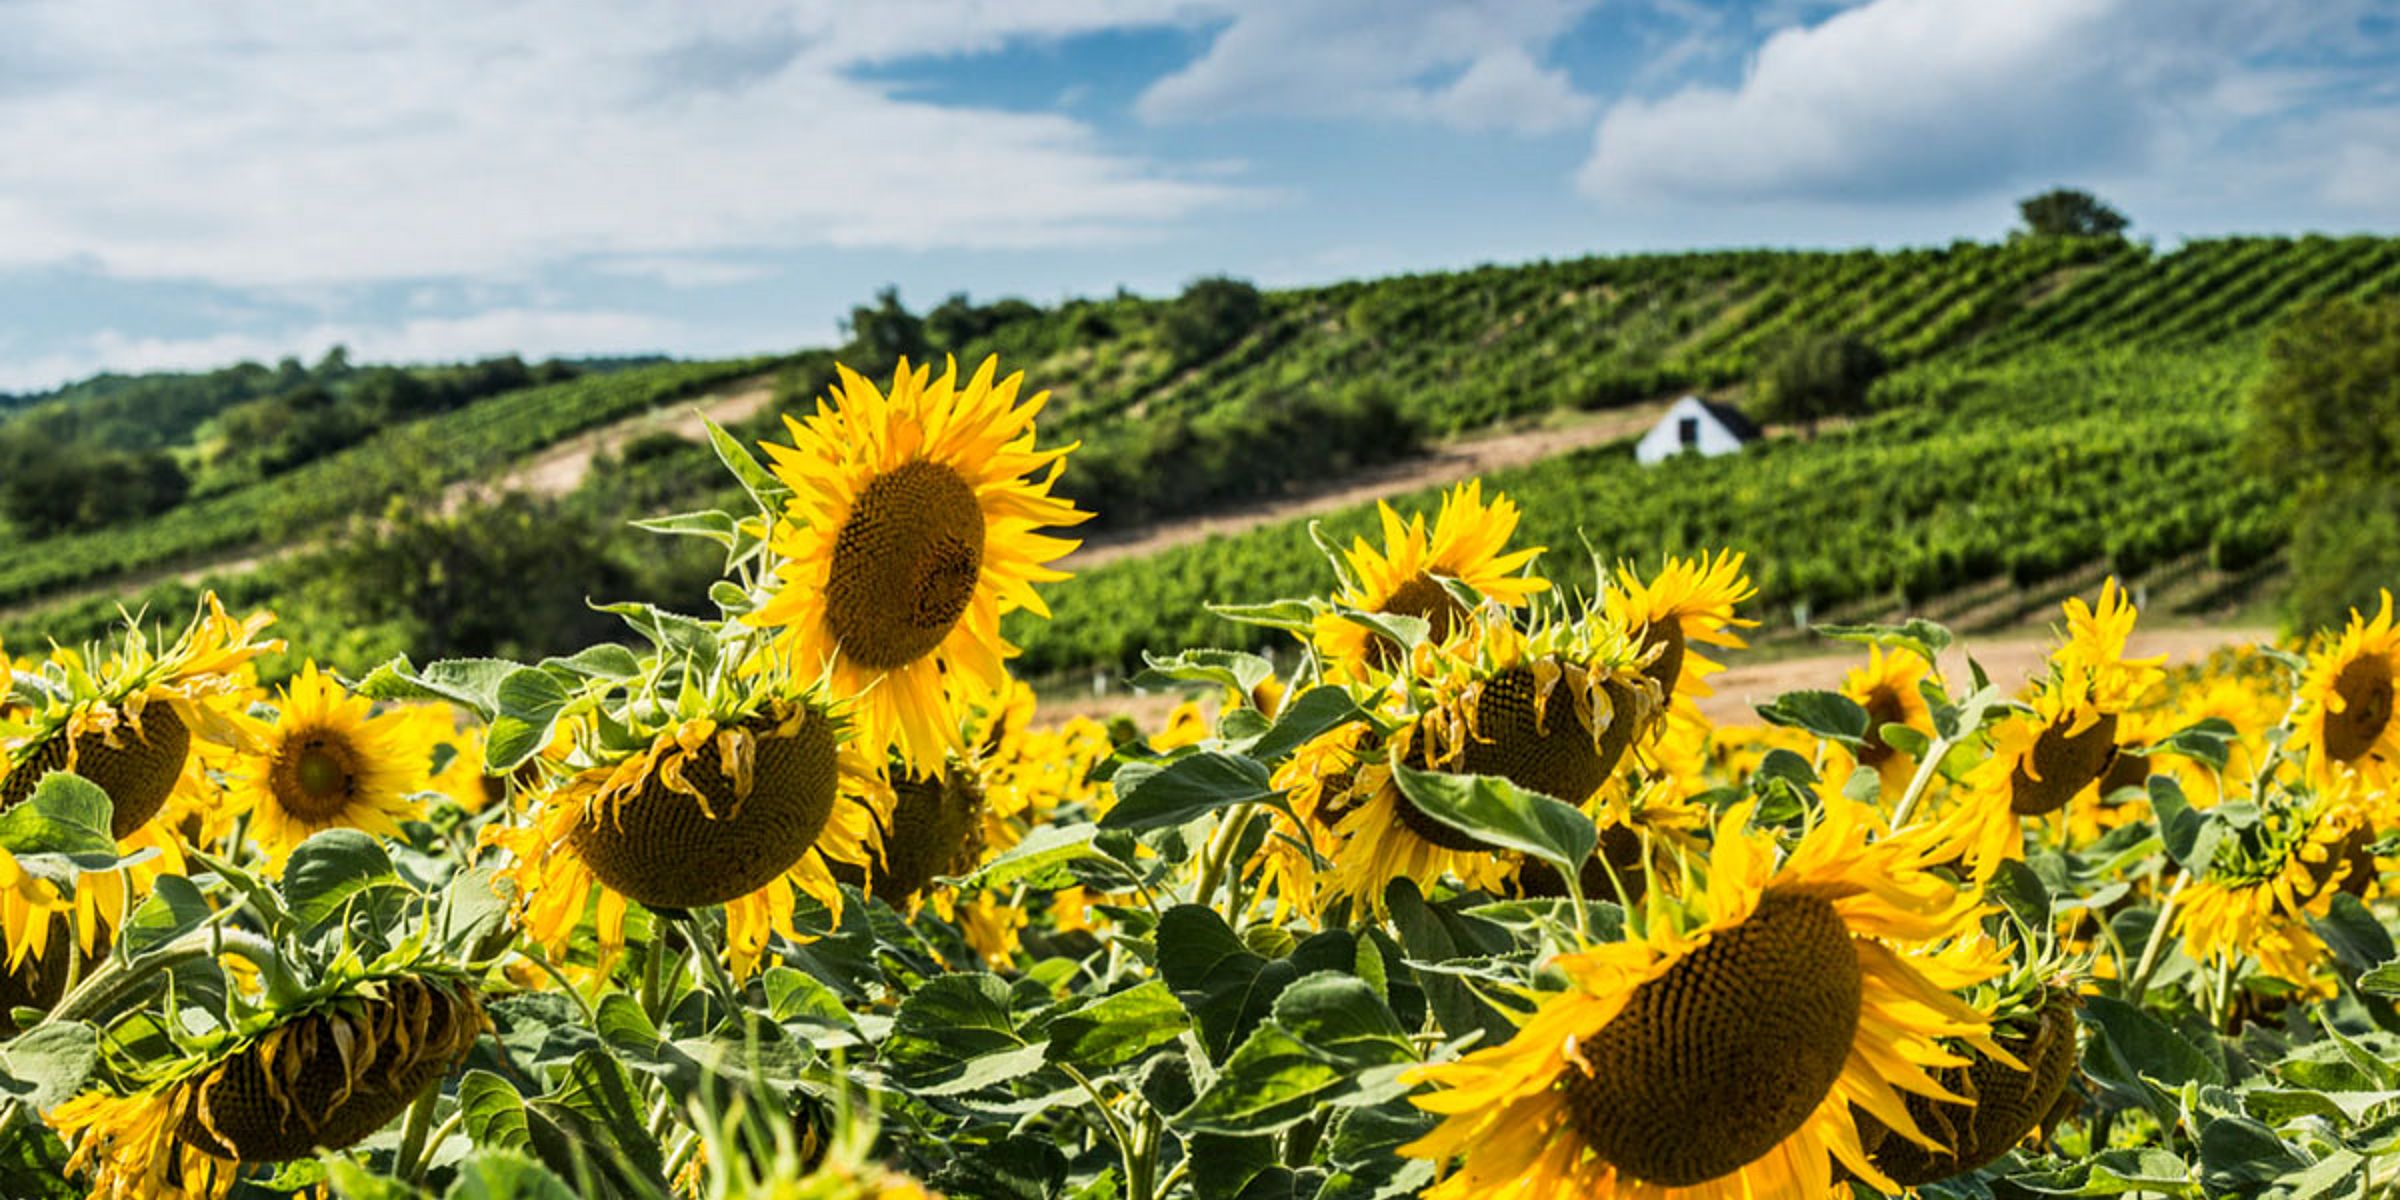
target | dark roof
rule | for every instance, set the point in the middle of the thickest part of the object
(1733, 420)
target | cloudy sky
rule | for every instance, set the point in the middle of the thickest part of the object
(188, 184)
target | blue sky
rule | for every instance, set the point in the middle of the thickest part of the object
(189, 185)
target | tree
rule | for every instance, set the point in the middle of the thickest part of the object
(1815, 375)
(2325, 425)
(1211, 315)
(884, 333)
(2068, 212)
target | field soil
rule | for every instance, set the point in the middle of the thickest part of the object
(1445, 464)
(2007, 658)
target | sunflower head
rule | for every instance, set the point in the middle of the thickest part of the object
(909, 532)
(1887, 688)
(2001, 1101)
(710, 812)
(2347, 691)
(322, 1078)
(330, 761)
(1726, 1046)
(936, 829)
(136, 756)
(1467, 544)
(1689, 601)
(2269, 882)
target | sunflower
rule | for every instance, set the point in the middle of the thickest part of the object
(128, 723)
(743, 810)
(935, 828)
(2266, 884)
(327, 1076)
(1468, 544)
(2346, 724)
(1725, 1060)
(328, 762)
(2002, 1101)
(1690, 601)
(36, 930)
(1887, 688)
(909, 531)
(1552, 712)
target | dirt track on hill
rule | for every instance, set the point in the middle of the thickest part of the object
(1448, 463)
(2007, 658)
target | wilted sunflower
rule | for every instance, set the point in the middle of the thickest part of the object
(128, 723)
(742, 810)
(2347, 693)
(1725, 1060)
(1552, 712)
(1887, 688)
(2002, 1101)
(1690, 602)
(326, 1077)
(935, 828)
(330, 762)
(1468, 543)
(2269, 880)
(909, 531)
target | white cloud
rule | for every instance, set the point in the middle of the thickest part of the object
(1471, 66)
(262, 144)
(534, 333)
(685, 272)
(1907, 101)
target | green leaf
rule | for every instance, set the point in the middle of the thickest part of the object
(1829, 715)
(1501, 814)
(1041, 860)
(1236, 669)
(175, 907)
(1403, 631)
(2239, 1156)
(1271, 1083)
(2023, 893)
(491, 1111)
(352, 1180)
(2382, 981)
(48, 1064)
(1917, 635)
(1211, 970)
(2206, 741)
(1291, 616)
(2357, 939)
(2141, 1057)
(1116, 1029)
(1342, 1018)
(607, 660)
(764, 488)
(471, 682)
(66, 815)
(1316, 711)
(945, 1029)
(675, 635)
(506, 1175)
(526, 707)
(328, 869)
(2190, 835)
(1153, 797)
(715, 525)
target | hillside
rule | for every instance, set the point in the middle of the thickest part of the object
(2058, 403)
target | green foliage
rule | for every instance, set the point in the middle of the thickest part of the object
(2325, 426)
(1211, 315)
(2068, 212)
(48, 489)
(1816, 374)
(883, 333)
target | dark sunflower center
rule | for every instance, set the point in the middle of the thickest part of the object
(905, 565)
(1424, 598)
(2004, 1104)
(1713, 1063)
(1550, 752)
(936, 829)
(1883, 708)
(316, 776)
(2067, 764)
(1667, 668)
(2365, 686)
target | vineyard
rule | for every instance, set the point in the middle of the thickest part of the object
(794, 895)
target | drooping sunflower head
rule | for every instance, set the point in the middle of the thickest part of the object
(1468, 544)
(1690, 601)
(2346, 724)
(2001, 1103)
(124, 715)
(909, 532)
(742, 808)
(936, 828)
(1724, 1054)
(330, 761)
(322, 1078)
(2266, 884)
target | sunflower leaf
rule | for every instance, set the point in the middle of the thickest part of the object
(50, 1063)
(1313, 713)
(1272, 1082)
(1236, 669)
(765, 489)
(66, 815)
(1116, 1029)
(2205, 741)
(1917, 635)
(527, 704)
(1291, 616)
(1041, 860)
(1153, 797)
(1829, 715)
(328, 869)
(1503, 815)
(471, 682)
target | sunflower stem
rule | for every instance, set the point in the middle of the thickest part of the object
(2139, 983)
(1919, 782)
(408, 1165)
(653, 969)
(1116, 1131)
(114, 981)
(1218, 856)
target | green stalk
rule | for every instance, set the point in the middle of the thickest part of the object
(409, 1164)
(1917, 783)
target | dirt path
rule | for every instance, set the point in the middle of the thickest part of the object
(2008, 658)
(1448, 463)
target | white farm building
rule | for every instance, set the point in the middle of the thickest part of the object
(1695, 426)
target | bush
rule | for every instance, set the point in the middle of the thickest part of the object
(2325, 426)
(1212, 314)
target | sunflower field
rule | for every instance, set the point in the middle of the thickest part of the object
(801, 899)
